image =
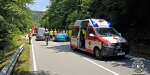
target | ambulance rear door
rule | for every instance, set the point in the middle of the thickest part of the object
(74, 36)
(84, 25)
(78, 38)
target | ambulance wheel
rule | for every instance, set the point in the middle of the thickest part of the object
(97, 53)
(123, 56)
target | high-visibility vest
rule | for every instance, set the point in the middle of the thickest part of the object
(70, 33)
(30, 34)
(84, 32)
(51, 32)
(55, 32)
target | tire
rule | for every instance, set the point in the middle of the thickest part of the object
(122, 56)
(97, 53)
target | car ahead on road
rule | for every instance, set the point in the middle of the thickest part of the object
(40, 35)
(62, 36)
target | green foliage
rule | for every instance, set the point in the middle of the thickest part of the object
(37, 15)
(15, 19)
(130, 17)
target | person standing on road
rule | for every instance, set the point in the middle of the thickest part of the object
(30, 36)
(55, 32)
(58, 31)
(83, 36)
(51, 34)
(46, 34)
(70, 33)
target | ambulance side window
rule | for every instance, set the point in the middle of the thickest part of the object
(75, 32)
(90, 31)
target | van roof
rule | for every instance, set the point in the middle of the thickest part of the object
(78, 22)
(93, 22)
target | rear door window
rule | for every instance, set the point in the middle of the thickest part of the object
(75, 32)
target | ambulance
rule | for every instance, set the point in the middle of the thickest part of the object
(101, 39)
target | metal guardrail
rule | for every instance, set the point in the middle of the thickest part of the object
(7, 69)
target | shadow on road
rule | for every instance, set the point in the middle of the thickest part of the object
(61, 48)
(116, 61)
(42, 45)
(33, 73)
(41, 73)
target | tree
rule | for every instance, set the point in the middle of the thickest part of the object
(15, 18)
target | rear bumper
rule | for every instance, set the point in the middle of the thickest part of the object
(55, 39)
(34, 34)
(40, 39)
(107, 51)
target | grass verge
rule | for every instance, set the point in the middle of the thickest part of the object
(8, 52)
(22, 65)
(140, 50)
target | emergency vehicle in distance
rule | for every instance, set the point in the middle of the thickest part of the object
(34, 31)
(101, 39)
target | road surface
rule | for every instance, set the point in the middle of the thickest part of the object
(58, 59)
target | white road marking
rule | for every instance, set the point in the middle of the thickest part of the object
(33, 55)
(100, 66)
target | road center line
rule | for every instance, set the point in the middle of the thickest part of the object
(33, 55)
(100, 66)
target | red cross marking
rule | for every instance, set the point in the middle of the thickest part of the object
(89, 43)
(99, 20)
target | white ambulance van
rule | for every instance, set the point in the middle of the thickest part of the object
(101, 39)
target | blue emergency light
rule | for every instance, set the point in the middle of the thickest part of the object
(110, 25)
(94, 24)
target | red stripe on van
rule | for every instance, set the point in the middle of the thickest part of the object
(74, 46)
(89, 50)
(101, 39)
(75, 26)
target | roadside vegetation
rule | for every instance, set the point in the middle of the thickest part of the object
(15, 19)
(23, 63)
(129, 17)
(9, 52)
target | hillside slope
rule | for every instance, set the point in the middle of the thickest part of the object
(37, 15)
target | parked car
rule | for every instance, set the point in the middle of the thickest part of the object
(40, 35)
(62, 36)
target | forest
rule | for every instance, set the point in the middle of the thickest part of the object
(37, 15)
(129, 17)
(15, 19)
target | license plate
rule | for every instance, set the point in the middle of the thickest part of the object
(121, 53)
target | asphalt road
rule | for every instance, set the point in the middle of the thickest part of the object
(58, 59)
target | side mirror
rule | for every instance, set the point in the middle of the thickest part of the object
(91, 35)
(120, 34)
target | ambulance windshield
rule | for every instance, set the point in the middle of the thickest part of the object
(105, 32)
